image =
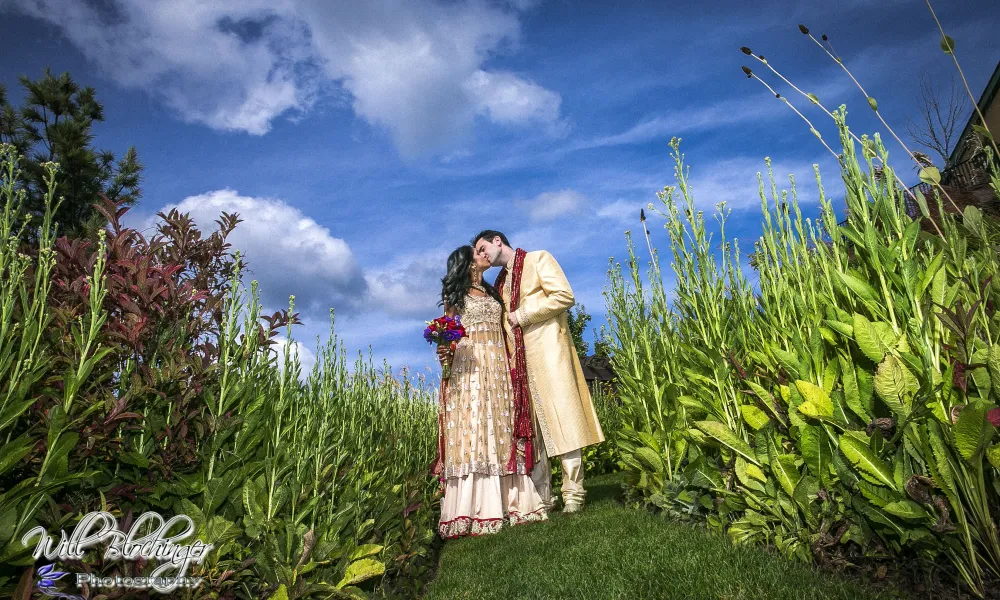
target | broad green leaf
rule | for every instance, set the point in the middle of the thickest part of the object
(922, 203)
(280, 594)
(993, 364)
(755, 472)
(649, 459)
(930, 272)
(361, 570)
(852, 395)
(930, 175)
(14, 410)
(894, 384)
(876, 494)
(749, 477)
(766, 400)
(727, 437)
(972, 431)
(815, 451)
(906, 509)
(703, 476)
(859, 286)
(993, 455)
(784, 470)
(861, 456)
(650, 441)
(11, 453)
(941, 465)
(220, 530)
(985, 133)
(755, 417)
(845, 329)
(8, 525)
(817, 402)
(364, 551)
(806, 490)
(939, 286)
(830, 374)
(789, 360)
(58, 454)
(873, 339)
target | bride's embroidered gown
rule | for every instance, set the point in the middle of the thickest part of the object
(481, 494)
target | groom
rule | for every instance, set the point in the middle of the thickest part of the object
(544, 364)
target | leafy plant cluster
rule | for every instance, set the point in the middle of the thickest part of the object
(847, 408)
(139, 374)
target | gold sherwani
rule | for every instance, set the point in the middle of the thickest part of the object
(560, 397)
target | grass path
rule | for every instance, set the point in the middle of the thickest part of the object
(609, 551)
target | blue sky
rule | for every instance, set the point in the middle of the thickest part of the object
(363, 141)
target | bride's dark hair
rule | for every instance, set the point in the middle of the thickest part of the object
(455, 285)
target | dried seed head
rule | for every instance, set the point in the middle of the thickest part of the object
(778, 96)
(803, 29)
(747, 70)
(642, 215)
(919, 488)
(746, 50)
(824, 38)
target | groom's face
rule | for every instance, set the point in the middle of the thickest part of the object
(490, 250)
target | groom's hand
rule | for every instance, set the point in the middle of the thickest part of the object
(512, 319)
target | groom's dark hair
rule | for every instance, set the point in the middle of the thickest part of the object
(488, 235)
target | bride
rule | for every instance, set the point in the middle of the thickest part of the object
(482, 492)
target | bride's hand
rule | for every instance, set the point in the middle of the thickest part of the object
(444, 353)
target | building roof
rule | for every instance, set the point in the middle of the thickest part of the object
(985, 101)
(597, 368)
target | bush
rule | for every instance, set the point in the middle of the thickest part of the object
(138, 375)
(848, 409)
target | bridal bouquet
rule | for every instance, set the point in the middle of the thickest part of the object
(444, 331)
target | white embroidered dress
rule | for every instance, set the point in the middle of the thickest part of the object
(481, 494)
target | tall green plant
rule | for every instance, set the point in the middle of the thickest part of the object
(140, 376)
(848, 407)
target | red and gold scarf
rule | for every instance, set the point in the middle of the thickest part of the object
(523, 430)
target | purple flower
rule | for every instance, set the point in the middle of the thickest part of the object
(49, 576)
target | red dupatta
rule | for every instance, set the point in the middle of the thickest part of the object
(523, 430)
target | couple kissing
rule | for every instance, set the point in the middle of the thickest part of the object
(516, 393)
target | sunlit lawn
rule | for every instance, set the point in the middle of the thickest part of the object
(609, 551)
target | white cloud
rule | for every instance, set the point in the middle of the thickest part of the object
(413, 67)
(621, 211)
(409, 286)
(549, 205)
(287, 252)
(506, 98)
(744, 109)
(231, 66)
(307, 358)
(734, 181)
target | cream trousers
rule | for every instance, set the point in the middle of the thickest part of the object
(572, 477)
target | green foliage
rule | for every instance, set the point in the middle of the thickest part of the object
(55, 124)
(578, 318)
(139, 375)
(603, 344)
(841, 410)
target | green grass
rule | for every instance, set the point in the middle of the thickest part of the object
(609, 551)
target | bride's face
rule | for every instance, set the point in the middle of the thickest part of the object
(480, 262)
